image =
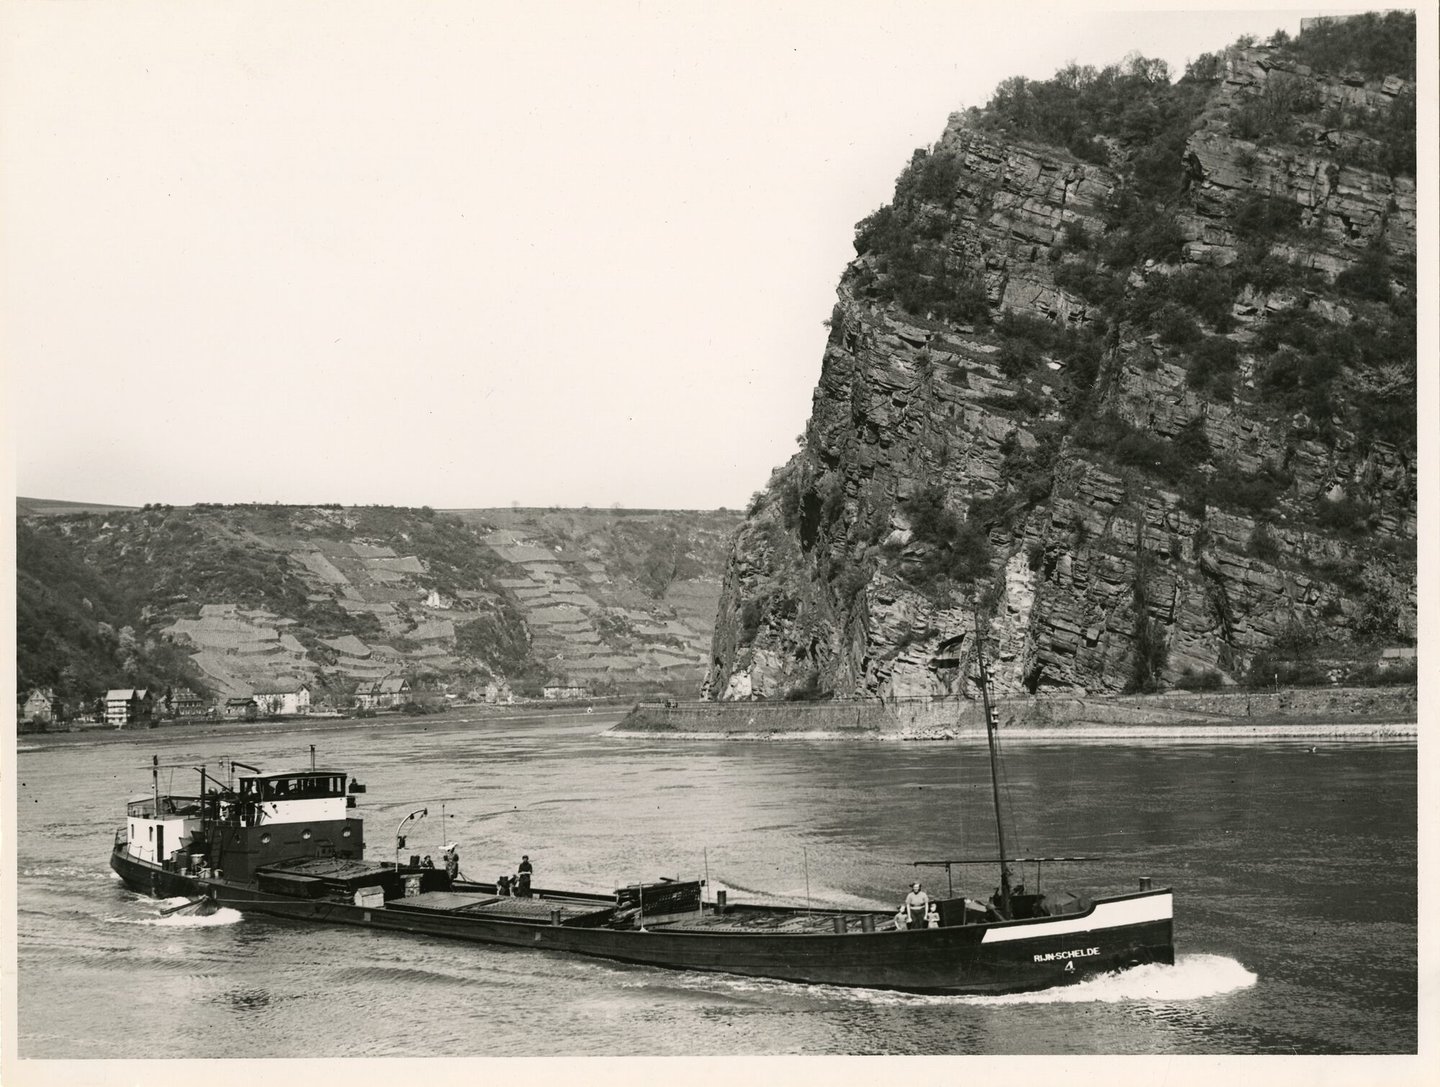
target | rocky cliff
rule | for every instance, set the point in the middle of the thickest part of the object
(1140, 391)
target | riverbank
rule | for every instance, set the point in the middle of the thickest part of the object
(1379, 713)
(170, 731)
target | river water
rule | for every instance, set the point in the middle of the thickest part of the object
(1294, 866)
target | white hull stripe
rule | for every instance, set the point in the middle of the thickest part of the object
(1129, 911)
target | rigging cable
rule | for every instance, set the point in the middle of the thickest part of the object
(1009, 800)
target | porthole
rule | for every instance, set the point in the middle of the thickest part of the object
(264, 839)
(305, 834)
(345, 833)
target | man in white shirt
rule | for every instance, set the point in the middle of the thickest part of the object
(916, 903)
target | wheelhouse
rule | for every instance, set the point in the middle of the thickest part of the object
(292, 796)
(294, 785)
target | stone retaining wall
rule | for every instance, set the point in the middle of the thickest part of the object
(917, 718)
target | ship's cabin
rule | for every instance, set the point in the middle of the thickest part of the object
(292, 796)
(248, 819)
(293, 785)
(156, 827)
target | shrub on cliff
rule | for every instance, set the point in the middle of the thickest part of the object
(1151, 650)
(1204, 293)
(1347, 516)
(1369, 277)
(1375, 45)
(1133, 102)
(1023, 339)
(1387, 609)
(1176, 327)
(1140, 229)
(1254, 492)
(1372, 46)
(1213, 365)
(1027, 475)
(1269, 116)
(1262, 545)
(1134, 447)
(750, 616)
(1191, 680)
(1087, 280)
(904, 240)
(954, 551)
(1396, 132)
(1074, 238)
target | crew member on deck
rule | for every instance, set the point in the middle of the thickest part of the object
(917, 902)
(522, 877)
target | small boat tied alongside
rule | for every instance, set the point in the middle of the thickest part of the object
(288, 843)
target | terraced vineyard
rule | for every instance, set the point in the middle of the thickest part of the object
(235, 599)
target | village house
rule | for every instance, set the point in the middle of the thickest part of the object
(129, 706)
(186, 703)
(498, 693)
(564, 690)
(40, 707)
(287, 699)
(383, 694)
(241, 707)
(1397, 657)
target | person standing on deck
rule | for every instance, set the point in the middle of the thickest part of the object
(522, 877)
(917, 903)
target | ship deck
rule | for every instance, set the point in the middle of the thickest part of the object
(749, 919)
(496, 906)
(336, 868)
(766, 922)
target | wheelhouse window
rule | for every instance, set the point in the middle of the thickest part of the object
(294, 787)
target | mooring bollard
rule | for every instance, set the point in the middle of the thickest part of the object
(839, 921)
(555, 916)
(867, 923)
(1144, 883)
(719, 901)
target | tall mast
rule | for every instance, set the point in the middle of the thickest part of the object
(994, 767)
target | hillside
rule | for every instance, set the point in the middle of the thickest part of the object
(42, 507)
(228, 599)
(1127, 367)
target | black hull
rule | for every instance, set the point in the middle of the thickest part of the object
(1015, 956)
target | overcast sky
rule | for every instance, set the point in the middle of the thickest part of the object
(465, 254)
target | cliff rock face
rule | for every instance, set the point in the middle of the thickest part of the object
(1138, 464)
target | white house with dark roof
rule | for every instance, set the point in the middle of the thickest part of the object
(282, 699)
